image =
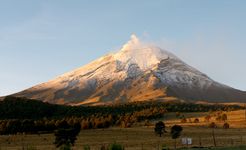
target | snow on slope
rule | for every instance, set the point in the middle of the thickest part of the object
(133, 58)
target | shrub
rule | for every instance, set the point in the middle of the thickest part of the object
(212, 125)
(226, 125)
(218, 118)
(196, 120)
(147, 123)
(116, 146)
(207, 118)
(224, 117)
(86, 147)
(178, 114)
(221, 117)
(65, 147)
(183, 120)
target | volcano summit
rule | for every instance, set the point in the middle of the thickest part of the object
(138, 72)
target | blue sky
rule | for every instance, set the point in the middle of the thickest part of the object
(42, 39)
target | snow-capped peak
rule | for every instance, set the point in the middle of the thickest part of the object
(144, 54)
(139, 71)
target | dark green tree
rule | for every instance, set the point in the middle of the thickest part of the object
(175, 133)
(159, 128)
(66, 135)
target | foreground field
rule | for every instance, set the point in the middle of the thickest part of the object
(140, 137)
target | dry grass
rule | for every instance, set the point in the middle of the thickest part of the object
(236, 119)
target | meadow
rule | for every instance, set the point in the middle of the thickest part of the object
(140, 137)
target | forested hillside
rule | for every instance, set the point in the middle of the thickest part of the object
(25, 115)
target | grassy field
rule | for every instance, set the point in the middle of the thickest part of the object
(143, 138)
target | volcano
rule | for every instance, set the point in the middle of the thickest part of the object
(137, 72)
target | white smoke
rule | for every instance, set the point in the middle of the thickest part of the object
(134, 43)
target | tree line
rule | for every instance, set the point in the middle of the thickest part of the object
(22, 115)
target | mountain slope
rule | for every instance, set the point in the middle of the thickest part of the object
(138, 72)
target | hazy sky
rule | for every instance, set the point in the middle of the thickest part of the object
(42, 39)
